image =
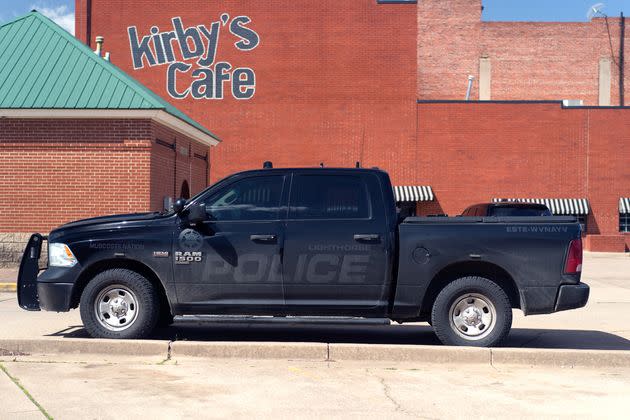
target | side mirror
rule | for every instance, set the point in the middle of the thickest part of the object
(197, 213)
(178, 205)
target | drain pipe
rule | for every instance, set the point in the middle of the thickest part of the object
(622, 46)
(470, 83)
(88, 22)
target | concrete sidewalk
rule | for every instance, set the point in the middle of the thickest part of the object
(239, 388)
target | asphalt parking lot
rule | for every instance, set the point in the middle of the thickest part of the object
(71, 385)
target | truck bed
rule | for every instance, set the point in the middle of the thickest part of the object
(529, 252)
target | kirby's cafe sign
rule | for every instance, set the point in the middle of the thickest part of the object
(190, 54)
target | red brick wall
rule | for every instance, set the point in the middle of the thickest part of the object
(448, 38)
(608, 174)
(530, 60)
(337, 82)
(185, 160)
(55, 171)
(335, 79)
(473, 152)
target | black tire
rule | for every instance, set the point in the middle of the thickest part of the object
(144, 303)
(479, 297)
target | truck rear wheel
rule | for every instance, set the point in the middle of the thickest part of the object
(472, 311)
(119, 303)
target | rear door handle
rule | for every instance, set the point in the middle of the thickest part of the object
(263, 238)
(367, 237)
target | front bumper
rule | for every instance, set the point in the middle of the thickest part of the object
(52, 289)
(54, 296)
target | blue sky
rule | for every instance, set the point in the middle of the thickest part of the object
(62, 11)
(559, 10)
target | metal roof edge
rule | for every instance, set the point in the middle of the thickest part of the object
(19, 18)
(166, 118)
(154, 99)
(160, 116)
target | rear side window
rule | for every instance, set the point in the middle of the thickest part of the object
(329, 197)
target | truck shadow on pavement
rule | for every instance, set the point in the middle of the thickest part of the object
(370, 334)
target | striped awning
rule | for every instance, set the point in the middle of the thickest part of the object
(624, 205)
(570, 206)
(413, 193)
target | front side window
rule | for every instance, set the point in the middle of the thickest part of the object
(624, 222)
(257, 198)
(329, 197)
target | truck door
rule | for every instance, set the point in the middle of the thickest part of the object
(231, 263)
(336, 254)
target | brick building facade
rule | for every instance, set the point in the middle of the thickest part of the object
(73, 146)
(303, 82)
(383, 82)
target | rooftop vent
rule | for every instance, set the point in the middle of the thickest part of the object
(99, 48)
(572, 102)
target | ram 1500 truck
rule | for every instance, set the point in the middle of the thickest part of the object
(303, 242)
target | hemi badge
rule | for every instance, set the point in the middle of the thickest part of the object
(160, 254)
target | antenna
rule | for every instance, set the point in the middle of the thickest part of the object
(596, 10)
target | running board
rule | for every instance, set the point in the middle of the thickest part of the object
(250, 319)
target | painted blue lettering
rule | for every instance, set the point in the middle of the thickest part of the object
(220, 77)
(183, 35)
(249, 37)
(171, 78)
(243, 83)
(167, 37)
(140, 49)
(202, 87)
(212, 36)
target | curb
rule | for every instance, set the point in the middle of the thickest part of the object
(409, 353)
(318, 352)
(58, 346)
(250, 350)
(561, 357)
(8, 287)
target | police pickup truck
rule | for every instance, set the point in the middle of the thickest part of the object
(318, 242)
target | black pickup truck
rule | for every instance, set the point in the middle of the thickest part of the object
(302, 242)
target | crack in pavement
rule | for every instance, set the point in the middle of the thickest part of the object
(388, 395)
(17, 383)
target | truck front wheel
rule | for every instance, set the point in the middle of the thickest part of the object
(472, 311)
(119, 303)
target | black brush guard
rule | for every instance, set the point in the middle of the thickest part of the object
(27, 276)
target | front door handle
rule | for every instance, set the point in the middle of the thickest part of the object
(367, 237)
(263, 238)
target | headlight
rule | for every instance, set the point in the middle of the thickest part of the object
(59, 255)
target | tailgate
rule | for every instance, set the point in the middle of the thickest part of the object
(27, 276)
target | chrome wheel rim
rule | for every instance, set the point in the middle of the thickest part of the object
(116, 307)
(472, 316)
